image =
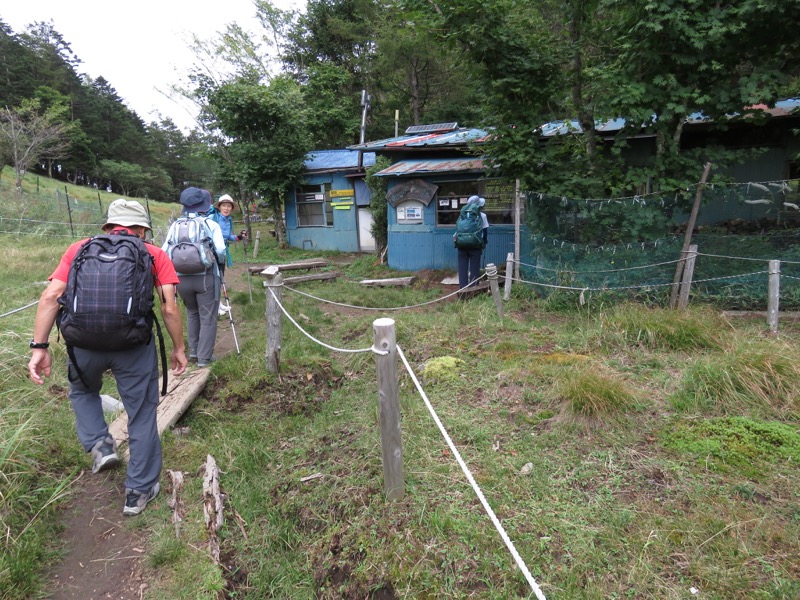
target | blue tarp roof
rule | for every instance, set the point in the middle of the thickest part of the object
(337, 160)
(459, 137)
(781, 109)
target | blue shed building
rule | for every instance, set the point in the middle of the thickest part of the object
(330, 210)
(431, 178)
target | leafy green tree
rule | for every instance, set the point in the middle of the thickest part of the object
(267, 129)
(378, 204)
(127, 176)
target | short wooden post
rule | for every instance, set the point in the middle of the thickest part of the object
(274, 283)
(491, 273)
(686, 280)
(773, 302)
(389, 409)
(509, 271)
(255, 244)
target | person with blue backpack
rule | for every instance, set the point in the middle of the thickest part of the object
(195, 245)
(470, 238)
(101, 297)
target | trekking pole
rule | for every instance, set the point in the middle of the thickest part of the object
(230, 315)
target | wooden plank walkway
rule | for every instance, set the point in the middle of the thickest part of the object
(181, 392)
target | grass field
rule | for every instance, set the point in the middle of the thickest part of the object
(628, 451)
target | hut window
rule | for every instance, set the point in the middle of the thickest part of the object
(452, 196)
(314, 206)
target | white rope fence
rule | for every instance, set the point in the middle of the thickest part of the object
(630, 287)
(493, 517)
(321, 343)
(21, 308)
(476, 488)
(474, 283)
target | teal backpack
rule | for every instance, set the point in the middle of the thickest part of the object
(469, 228)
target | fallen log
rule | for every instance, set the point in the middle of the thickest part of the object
(310, 263)
(175, 502)
(212, 506)
(315, 277)
(395, 281)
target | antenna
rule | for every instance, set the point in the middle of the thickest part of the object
(364, 108)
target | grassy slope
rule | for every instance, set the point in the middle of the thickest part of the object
(641, 483)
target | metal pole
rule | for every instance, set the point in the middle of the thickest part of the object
(69, 212)
(509, 269)
(230, 315)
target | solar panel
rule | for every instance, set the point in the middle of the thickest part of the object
(432, 128)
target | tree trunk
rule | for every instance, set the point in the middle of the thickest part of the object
(414, 88)
(585, 117)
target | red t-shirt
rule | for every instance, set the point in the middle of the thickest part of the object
(163, 269)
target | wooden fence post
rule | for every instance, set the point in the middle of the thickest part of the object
(687, 238)
(255, 244)
(773, 302)
(274, 283)
(509, 270)
(688, 273)
(389, 409)
(491, 273)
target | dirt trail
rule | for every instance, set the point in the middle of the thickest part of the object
(103, 551)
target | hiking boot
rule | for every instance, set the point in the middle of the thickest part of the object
(206, 362)
(104, 455)
(136, 501)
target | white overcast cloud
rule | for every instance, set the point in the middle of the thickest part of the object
(138, 47)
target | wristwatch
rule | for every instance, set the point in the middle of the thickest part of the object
(42, 345)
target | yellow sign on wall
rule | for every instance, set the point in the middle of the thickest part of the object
(342, 193)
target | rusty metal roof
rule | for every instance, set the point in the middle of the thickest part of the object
(435, 165)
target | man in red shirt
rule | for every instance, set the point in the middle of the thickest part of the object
(135, 369)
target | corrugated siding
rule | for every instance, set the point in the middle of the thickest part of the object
(415, 247)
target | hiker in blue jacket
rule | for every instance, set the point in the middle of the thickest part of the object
(222, 215)
(469, 259)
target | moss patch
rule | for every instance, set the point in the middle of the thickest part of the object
(738, 442)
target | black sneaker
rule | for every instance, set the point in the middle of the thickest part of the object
(136, 501)
(104, 455)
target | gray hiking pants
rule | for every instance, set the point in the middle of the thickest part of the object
(136, 373)
(200, 294)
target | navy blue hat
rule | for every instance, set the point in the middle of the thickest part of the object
(195, 200)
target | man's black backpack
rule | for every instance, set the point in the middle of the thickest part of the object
(108, 301)
(469, 228)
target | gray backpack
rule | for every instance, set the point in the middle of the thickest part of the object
(190, 246)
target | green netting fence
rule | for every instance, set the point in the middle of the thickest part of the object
(629, 247)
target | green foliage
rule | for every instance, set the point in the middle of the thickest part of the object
(760, 377)
(735, 442)
(378, 205)
(590, 392)
(630, 324)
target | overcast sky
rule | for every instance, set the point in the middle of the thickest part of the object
(138, 47)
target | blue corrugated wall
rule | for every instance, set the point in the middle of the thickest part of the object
(343, 236)
(415, 247)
